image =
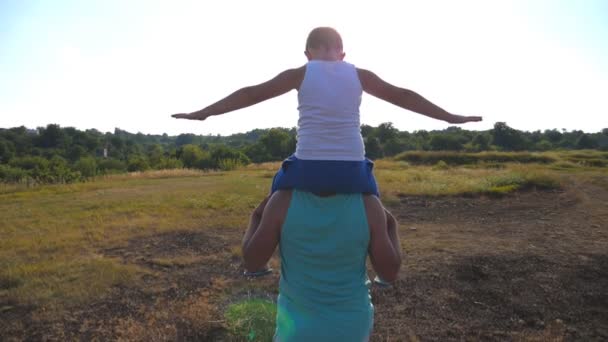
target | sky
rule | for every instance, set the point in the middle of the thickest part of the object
(534, 64)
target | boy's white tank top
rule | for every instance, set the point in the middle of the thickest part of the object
(329, 124)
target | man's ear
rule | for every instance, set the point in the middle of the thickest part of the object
(341, 56)
(308, 56)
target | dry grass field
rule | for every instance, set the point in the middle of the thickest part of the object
(507, 252)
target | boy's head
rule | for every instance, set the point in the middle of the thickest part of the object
(324, 43)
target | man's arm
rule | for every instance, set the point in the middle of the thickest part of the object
(392, 228)
(264, 231)
(407, 99)
(248, 96)
(384, 245)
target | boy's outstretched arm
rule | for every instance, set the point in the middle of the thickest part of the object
(407, 99)
(245, 97)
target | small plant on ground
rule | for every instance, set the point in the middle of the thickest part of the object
(441, 165)
(252, 320)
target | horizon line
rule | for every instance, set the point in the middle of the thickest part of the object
(562, 130)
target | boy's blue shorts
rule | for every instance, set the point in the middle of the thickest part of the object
(319, 176)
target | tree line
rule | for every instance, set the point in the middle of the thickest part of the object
(55, 154)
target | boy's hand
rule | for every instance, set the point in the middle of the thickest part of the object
(458, 119)
(200, 115)
(181, 116)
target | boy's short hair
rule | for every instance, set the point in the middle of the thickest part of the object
(326, 37)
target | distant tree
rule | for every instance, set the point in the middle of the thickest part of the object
(444, 142)
(481, 142)
(222, 153)
(278, 143)
(422, 139)
(7, 150)
(553, 135)
(90, 140)
(584, 141)
(76, 152)
(53, 154)
(386, 132)
(393, 146)
(117, 142)
(51, 137)
(191, 155)
(366, 130)
(507, 138)
(184, 139)
(21, 139)
(373, 150)
(87, 166)
(602, 140)
(137, 163)
(407, 141)
(534, 137)
(570, 139)
(155, 155)
(257, 153)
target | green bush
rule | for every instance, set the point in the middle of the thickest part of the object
(228, 164)
(60, 171)
(107, 166)
(441, 165)
(87, 166)
(137, 163)
(30, 163)
(193, 156)
(227, 158)
(170, 163)
(9, 174)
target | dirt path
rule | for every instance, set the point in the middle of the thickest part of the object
(532, 266)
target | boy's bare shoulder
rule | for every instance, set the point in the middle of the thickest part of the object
(366, 76)
(376, 86)
(294, 72)
(364, 72)
(295, 75)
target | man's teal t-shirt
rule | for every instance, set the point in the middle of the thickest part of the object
(324, 293)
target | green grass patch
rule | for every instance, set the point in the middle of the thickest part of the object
(441, 165)
(585, 158)
(252, 320)
(439, 181)
(509, 182)
(464, 158)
